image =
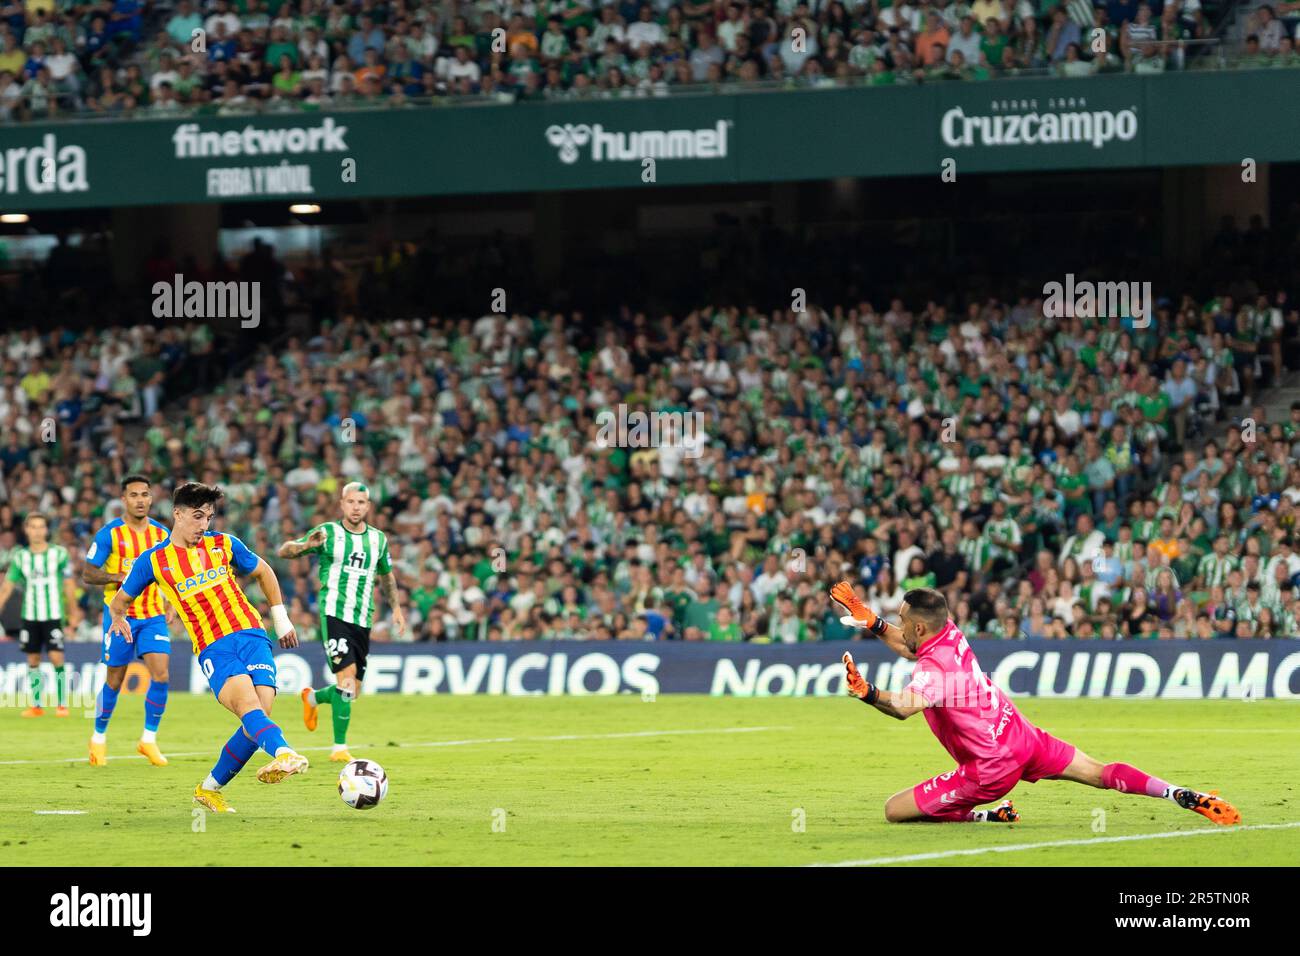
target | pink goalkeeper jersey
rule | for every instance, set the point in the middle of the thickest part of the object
(973, 720)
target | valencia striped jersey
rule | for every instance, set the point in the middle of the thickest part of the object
(200, 583)
(116, 548)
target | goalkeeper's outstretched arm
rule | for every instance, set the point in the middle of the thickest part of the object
(900, 706)
(862, 617)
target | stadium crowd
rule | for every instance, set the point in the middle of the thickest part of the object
(232, 56)
(1055, 477)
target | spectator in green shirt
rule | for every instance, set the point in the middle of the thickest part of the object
(785, 626)
(994, 41)
(917, 575)
(281, 45)
(724, 626)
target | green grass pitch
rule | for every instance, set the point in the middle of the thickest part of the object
(680, 780)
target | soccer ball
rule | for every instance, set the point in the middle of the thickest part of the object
(363, 784)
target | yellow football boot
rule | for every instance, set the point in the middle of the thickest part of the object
(212, 800)
(285, 765)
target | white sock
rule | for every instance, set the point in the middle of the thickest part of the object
(338, 748)
(211, 783)
(97, 738)
(1170, 791)
(149, 737)
(283, 750)
(979, 816)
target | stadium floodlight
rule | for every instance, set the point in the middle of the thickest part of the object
(304, 209)
(15, 218)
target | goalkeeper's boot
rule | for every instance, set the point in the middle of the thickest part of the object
(1208, 805)
(34, 712)
(99, 754)
(844, 595)
(152, 753)
(1004, 812)
(212, 800)
(60, 711)
(285, 765)
(309, 708)
(341, 756)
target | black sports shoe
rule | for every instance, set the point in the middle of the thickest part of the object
(1004, 812)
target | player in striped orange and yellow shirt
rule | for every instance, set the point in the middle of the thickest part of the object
(195, 570)
(117, 546)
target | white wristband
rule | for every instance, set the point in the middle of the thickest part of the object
(280, 618)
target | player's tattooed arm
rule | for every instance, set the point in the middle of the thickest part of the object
(95, 577)
(900, 706)
(117, 613)
(893, 639)
(293, 549)
(388, 583)
(864, 618)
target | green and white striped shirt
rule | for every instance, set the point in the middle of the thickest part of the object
(348, 564)
(1006, 529)
(959, 485)
(976, 551)
(41, 577)
(1214, 569)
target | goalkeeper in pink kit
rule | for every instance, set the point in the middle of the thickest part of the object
(994, 746)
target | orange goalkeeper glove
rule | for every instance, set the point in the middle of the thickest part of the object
(856, 684)
(863, 617)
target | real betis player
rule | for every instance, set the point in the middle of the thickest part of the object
(195, 569)
(115, 548)
(44, 572)
(352, 555)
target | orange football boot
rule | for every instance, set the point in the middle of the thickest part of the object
(309, 708)
(1209, 805)
(152, 753)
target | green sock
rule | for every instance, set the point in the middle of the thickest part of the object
(326, 695)
(342, 711)
(35, 678)
(61, 684)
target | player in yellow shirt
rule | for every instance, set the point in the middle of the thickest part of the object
(195, 570)
(115, 548)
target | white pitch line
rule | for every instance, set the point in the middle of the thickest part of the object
(59, 813)
(615, 736)
(1187, 730)
(1015, 847)
(446, 743)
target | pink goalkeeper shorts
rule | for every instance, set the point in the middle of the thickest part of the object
(952, 795)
